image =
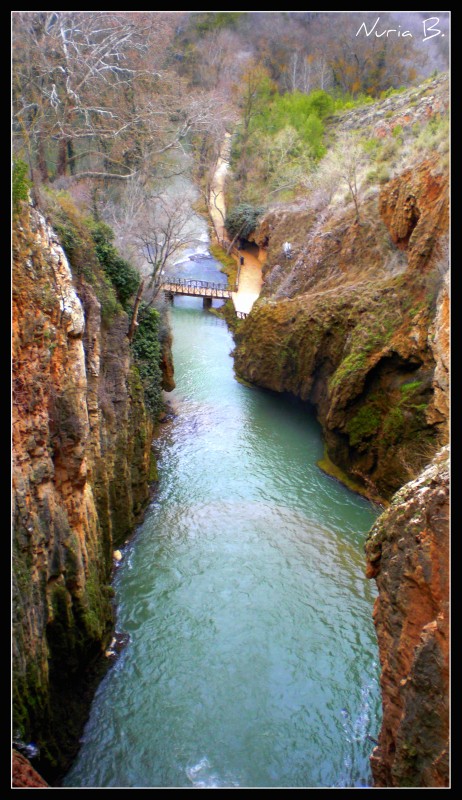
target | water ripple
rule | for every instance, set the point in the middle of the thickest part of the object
(252, 659)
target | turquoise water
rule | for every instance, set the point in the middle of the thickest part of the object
(252, 658)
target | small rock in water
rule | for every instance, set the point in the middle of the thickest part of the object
(119, 641)
(117, 555)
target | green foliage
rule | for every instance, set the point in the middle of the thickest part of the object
(348, 101)
(391, 92)
(353, 362)
(242, 220)
(123, 276)
(280, 140)
(393, 426)
(435, 135)
(21, 184)
(302, 112)
(372, 146)
(397, 131)
(217, 20)
(147, 351)
(73, 234)
(228, 263)
(389, 150)
(76, 239)
(364, 424)
(407, 388)
(379, 175)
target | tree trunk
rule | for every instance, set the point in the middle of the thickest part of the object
(62, 157)
(42, 160)
(134, 322)
(70, 155)
(355, 200)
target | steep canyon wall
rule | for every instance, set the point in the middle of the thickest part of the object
(81, 463)
(408, 555)
(358, 326)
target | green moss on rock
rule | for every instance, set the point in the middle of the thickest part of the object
(364, 424)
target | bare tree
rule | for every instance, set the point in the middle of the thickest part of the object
(253, 93)
(307, 71)
(92, 91)
(164, 231)
(342, 165)
(72, 73)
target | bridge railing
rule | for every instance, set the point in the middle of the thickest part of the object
(186, 283)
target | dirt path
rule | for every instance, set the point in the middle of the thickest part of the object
(250, 276)
(217, 207)
(250, 282)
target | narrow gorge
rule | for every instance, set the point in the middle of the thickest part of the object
(230, 517)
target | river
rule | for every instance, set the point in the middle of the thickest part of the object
(252, 659)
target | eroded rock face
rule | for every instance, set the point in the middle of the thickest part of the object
(408, 555)
(81, 447)
(168, 380)
(414, 207)
(414, 105)
(24, 776)
(357, 324)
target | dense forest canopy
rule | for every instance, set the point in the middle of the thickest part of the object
(107, 105)
(109, 93)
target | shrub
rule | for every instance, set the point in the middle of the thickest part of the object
(76, 239)
(216, 21)
(379, 175)
(389, 151)
(301, 112)
(391, 91)
(435, 135)
(74, 235)
(147, 351)
(372, 146)
(243, 219)
(21, 184)
(122, 275)
(347, 101)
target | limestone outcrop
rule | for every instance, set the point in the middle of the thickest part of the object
(408, 555)
(357, 324)
(82, 457)
(24, 776)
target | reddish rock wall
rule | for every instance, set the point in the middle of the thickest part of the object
(408, 555)
(24, 776)
(81, 447)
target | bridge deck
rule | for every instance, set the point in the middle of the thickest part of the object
(196, 288)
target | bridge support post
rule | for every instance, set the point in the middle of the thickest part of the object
(207, 302)
(169, 297)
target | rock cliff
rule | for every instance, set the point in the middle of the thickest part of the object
(358, 326)
(24, 775)
(82, 456)
(408, 555)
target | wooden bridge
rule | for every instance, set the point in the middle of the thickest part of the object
(194, 288)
